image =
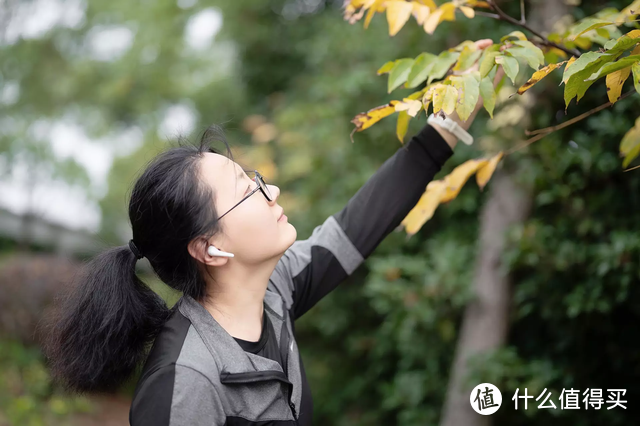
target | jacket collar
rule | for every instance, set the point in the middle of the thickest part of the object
(233, 362)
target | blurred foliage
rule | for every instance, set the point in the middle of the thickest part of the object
(27, 396)
(285, 77)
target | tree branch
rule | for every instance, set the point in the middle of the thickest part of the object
(541, 133)
(502, 16)
(488, 15)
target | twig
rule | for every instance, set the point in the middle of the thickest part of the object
(633, 168)
(578, 118)
(488, 15)
(522, 18)
(541, 133)
(501, 15)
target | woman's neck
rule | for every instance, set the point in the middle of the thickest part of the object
(238, 310)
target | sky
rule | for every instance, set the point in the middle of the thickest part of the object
(59, 202)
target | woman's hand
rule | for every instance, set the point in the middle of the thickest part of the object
(451, 139)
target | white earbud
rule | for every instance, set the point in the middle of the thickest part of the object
(215, 252)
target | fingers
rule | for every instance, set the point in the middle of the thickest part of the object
(484, 43)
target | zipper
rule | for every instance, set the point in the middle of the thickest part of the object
(284, 351)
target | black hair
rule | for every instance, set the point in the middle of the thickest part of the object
(107, 318)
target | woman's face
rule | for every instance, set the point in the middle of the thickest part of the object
(251, 231)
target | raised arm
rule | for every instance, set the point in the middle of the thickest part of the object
(312, 268)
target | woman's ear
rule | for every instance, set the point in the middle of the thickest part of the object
(198, 249)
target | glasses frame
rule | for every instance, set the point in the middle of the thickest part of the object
(259, 187)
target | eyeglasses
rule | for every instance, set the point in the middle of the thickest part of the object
(262, 186)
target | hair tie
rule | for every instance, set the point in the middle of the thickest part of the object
(135, 250)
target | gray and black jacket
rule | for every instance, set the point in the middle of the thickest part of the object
(197, 374)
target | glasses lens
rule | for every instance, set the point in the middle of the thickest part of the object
(264, 187)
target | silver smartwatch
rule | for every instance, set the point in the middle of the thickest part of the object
(452, 127)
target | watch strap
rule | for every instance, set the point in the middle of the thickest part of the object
(452, 127)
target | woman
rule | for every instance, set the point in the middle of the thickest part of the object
(226, 353)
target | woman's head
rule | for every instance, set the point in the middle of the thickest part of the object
(108, 317)
(249, 226)
(175, 211)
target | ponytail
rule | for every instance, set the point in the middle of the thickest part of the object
(105, 321)
(102, 324)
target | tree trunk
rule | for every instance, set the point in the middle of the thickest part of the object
(484, 326)
(486, 318)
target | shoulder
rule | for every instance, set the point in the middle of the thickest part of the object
(176, 395)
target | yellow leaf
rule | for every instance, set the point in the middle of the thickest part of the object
(583, 43)
(398, 13)
(537, 76)
(426, 206)
(429, 3)
(633, 34)
(468, 12)
(402, 126)
(412, 106)
(364, 120)
(420, 12)
(419, 93)
(388, 66)
(558, 52)
(448, 12)
(459, 176)
(372, 10)
(431, 23)
(485, 172)
(615, 81)
(569, 62)
(426, 99)
(630, 145)
(475, 3)
(437, 96)
(450, 99)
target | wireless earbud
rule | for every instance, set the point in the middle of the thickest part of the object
(215, 252)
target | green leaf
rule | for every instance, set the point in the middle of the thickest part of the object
(487, 63)
(576, 85)
(510, 65)
(467, 58)
(445, 60)
(420, 69)
(623, 43)
(399, 73)
(468, 91)
(585, 25)
(635, 69)
(615, 66)
(581, 63)
(386, 67)
(528, 52)
(514, 34)
(528, 56)
(488, 94)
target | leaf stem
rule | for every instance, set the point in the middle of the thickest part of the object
(541, 133)
(502, 16)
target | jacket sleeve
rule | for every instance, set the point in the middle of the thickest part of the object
(312, 268)
(176, 395)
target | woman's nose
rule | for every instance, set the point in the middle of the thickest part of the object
(274, 191)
